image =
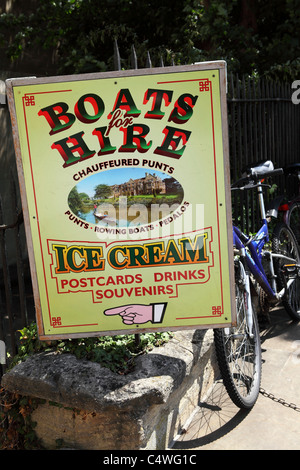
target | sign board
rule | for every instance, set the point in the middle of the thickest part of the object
(124, 181)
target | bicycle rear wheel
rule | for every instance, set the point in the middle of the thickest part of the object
(284, 243)
(294, 220)
(239, 354)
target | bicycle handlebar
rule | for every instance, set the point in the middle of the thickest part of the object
(278, 171)
(253, 179)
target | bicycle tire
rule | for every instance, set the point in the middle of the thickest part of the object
(239, 355)
(294, 220)
(284, 242)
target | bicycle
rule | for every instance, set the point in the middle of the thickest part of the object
(288, 208)
(276, 271)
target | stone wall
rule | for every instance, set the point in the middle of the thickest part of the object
(89, 407)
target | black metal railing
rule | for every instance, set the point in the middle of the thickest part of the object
(16, 298)
(263, 125)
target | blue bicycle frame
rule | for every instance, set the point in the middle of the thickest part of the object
(254, 259)
(250, 248)
(255, 245)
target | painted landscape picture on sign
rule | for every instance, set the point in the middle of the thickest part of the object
(125, 198)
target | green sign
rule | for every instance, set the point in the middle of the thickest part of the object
(125, 187)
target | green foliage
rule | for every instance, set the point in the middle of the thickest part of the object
(75, 201)
(16, 426)
(85, 198)
(253, 36)
(114, 352)
(102, 191)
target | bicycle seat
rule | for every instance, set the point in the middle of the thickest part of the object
(253, 174)
(258, 169)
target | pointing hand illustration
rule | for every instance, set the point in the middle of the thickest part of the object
(139, 313)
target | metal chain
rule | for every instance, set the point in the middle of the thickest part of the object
(279, 400)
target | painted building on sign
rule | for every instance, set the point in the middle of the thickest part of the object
(149, 184)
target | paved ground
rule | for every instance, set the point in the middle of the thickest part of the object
(271, 424)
